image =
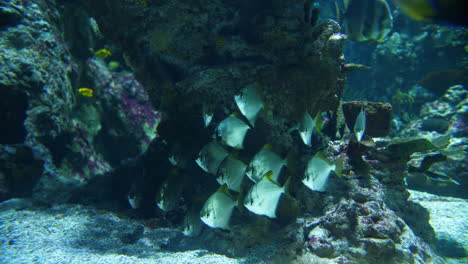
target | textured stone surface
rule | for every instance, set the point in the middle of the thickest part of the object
(449, 219)
(75, 137)
(214, 49)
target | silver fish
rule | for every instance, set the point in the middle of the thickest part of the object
(318, 171)
(218, 209)
(307, 126)
(232, 131)
(192, 225)
(135, 194)
(250, 103)
(169, 192)
(231, 172)
(367, 20)
(265, 160)
(264, 196)
(207, 115)
(210, 156)
(360, 125)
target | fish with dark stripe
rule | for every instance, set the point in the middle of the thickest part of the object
(367, 20)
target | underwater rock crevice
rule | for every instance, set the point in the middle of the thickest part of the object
(13, 106)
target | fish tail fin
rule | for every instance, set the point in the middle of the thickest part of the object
(339, 165)
(268, 146)
(224, 189)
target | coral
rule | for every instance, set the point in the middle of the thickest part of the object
(125, 96)
(402, 102)
(403, 148)
(372, 220)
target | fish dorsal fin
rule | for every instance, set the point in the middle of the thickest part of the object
(268, 146)
(236, 115)
(318, 120)
(225, 190)
(269, 176)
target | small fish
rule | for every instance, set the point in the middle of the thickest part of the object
(360, 125)
(177, 156)
(440, 176)
(218, 209)
(102, 53)
(86, 92)
(250, 103)
(350, 67)
(265, 160)
(264, 196)
(318, 171)
(169, 192)
(135, 195)
(367, 20)
(172, 159)
(307, 127)
(231, 172)
(207, 115)
(192, 226)
(211, 156)
(232, 131)
(444, 12)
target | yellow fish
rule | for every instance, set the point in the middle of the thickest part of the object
(445, 12)
(86, 92)
(103, 53)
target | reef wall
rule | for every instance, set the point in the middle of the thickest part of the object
(53, 134)
(177, 58)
